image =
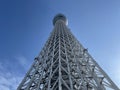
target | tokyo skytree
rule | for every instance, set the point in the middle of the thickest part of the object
(64, 64)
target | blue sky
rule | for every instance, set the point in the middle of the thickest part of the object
(25, 25)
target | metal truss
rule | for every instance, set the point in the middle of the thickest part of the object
(64, 64)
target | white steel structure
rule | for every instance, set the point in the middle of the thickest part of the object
(64, 64)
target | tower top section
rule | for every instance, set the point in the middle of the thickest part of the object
(59, 17)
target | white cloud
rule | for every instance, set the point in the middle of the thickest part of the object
(4, 87)
(22, 61)
(8, 81)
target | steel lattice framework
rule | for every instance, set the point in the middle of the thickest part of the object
(64, 64)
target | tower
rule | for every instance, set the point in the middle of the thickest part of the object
(64, 64)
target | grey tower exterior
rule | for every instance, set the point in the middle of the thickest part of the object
(64, 64)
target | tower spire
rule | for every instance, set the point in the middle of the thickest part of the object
(64, 64)
(60, 17)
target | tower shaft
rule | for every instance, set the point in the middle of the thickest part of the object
(64, 64)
